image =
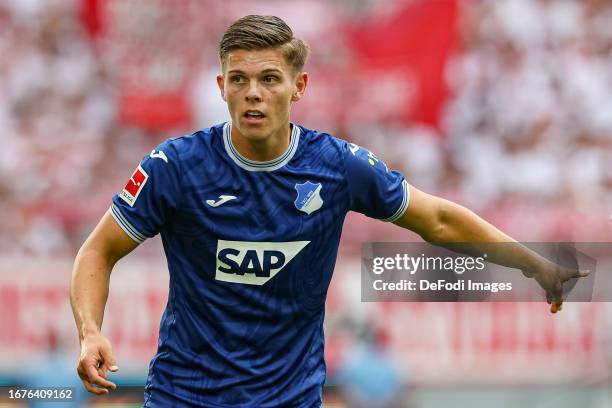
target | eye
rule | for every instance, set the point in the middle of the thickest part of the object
(237, 79)
(270, 78)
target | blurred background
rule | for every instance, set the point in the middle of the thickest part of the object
(504, 106)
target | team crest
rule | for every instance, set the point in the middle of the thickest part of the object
(308, 197)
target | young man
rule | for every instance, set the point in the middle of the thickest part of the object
(250, 213)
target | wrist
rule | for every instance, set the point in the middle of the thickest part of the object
(89, 331)
(535, 266)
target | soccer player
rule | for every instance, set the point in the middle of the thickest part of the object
(250, 213)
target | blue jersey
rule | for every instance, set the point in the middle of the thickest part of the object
(251, 248)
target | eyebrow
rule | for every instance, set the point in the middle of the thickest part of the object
(265, 71)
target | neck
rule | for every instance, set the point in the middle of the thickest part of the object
(264, 149)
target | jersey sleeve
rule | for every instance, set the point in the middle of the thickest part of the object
(150, 196)
(374, 190)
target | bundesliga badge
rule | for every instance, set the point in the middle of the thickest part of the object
(134, 186)
(308, 197)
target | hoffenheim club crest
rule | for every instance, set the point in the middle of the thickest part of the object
(308, 197)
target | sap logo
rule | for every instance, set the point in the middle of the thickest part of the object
(253, 263)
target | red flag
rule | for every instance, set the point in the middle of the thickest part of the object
(152, 49)
(408, 50)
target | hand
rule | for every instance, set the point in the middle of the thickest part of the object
(94, 363)
(551, 277)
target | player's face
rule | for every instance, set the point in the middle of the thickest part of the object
(259, 87)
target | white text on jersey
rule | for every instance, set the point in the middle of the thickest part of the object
(253, 263)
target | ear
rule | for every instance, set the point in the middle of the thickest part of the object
(301, 81)
(221, 84)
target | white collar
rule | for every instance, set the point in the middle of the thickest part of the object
(254, 165)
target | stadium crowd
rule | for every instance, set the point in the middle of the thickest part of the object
(525, 137)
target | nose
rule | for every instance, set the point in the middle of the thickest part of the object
(253, 92)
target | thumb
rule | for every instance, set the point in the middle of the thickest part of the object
(109, 359)
(575, 273)
(583, 274)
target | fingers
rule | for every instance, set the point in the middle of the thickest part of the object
(94, 390)
(557, 298)
(87, 384)
(556, 307)
(554, 295)
(94, 363)
(95, 379)
(102, 372)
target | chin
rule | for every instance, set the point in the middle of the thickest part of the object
(254, 132)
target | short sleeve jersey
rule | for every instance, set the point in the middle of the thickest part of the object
(251, 247)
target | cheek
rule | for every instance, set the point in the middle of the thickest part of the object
(281, 98)
(232, 106)
(232, 98)
(230, 92)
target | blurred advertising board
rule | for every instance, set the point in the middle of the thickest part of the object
(448, 343)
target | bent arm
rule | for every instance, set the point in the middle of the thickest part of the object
(440, 221)
(91, 273)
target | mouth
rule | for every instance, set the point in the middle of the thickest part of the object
(254, 116)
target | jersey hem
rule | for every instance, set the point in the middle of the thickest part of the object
(403, 206)
(126, 226)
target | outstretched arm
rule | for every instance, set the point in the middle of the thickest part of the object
(88, 293)
(440, 221)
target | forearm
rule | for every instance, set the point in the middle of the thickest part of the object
(444, 223)
(89, 290)
(476, 236)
